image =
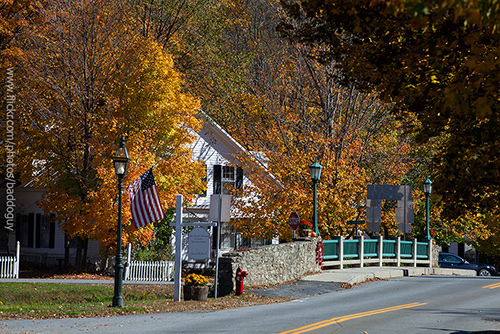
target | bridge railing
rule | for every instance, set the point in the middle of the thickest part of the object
(360, 252)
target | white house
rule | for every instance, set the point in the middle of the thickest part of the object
(219, 151)
(42, 241)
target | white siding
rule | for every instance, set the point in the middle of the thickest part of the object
(26, 199)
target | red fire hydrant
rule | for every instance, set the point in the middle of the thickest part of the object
(240, 276)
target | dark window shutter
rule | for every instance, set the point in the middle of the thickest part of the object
(19, 225)
(239, 178)
(31, 229)
(217, 179)
(38, 227)
(52, 235)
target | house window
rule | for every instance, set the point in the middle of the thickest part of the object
(45, 232)
(35, 230)
(226, 177)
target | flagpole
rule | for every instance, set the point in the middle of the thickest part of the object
(153, 167)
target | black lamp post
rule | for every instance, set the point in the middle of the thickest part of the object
(315, 170)
(120, 161)
(427, 192)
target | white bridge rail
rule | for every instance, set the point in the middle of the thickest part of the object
(9, 265)
(148, 271)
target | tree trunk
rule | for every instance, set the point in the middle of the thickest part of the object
(66, 250)
(85, 251)
(78, 257)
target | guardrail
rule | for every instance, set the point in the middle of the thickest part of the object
(360, 251)
(9, 265)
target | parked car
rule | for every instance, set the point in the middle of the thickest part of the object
(448, 260)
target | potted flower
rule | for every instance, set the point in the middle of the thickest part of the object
(195, 287)
(305, 228)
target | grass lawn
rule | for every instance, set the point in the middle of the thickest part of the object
(54, 300)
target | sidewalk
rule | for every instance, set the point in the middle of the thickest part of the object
(336, 279)
(360, 275)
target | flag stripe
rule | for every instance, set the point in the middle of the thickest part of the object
(145, 203)
(157, 204)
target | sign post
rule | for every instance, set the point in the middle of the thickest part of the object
(220, 207)
(178, 249)
(199, 245)
(294, 221)
(355, 223)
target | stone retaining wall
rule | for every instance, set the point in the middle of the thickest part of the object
(267, 265)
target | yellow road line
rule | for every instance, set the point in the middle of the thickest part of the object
(492, 286)
(332, 321)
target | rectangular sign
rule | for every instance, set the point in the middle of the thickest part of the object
(214, 208)
(199, 244)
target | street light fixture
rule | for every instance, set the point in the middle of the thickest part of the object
(315, 170)
(427, 192)
(120, 161)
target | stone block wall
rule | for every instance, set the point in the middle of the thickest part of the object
(435, 255)
(268, 265)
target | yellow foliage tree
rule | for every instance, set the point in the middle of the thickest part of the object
(352, 157)
(89, 78)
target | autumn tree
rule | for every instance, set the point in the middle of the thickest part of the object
(89, 77)
(436, 60)
(271, 97)
(295, 110)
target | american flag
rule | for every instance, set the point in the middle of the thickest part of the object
(144, 202)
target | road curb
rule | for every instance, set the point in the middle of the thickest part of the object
(360, 275)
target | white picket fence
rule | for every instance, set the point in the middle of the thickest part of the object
(149, 271)
(9, 265)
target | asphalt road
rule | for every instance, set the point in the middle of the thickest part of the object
(426, 304)
(298, 289)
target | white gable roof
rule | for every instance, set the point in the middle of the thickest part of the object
(222, 143)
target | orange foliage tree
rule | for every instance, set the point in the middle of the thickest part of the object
(276, 101)
(364, 145)
(90, 77)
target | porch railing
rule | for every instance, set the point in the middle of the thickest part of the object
(360, 251)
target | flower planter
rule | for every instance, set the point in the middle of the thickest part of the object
(305, 233)
(199, 293)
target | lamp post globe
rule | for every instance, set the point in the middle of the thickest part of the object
(120, 162)
(315, 171)
(427, 192)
